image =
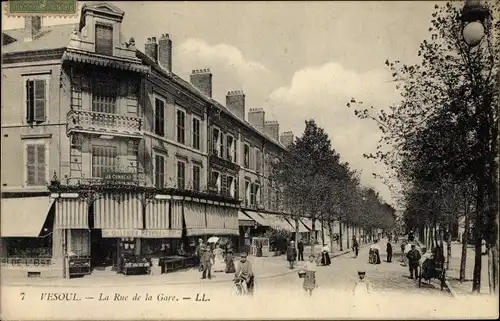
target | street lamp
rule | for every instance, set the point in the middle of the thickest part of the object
(474, 15)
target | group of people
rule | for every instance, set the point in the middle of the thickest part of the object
(297, 254)
(217, 260)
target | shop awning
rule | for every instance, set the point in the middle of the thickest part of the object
(71, 214)
(244, 219)
(157, 215)
(221, 220)
(259, 218)
(308, 223)
(231, 220)
(280, 223)
(24, 216)
(118, 211)
(194, 216)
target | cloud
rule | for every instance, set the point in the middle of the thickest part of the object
(230, 68)
(322, 93)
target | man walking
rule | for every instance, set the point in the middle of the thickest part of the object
(199, 254)
(413, 260)
(207, 260)
(300, 247)
(291, 254)
(389, 252)
(355, 246)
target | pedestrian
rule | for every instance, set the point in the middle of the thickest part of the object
(300, 247)
(413, 261)
(389, 252)
(362, 289)
(325, 256)
(403, 254)
(244, 272)
(207, 259)
(310, 275)
(376, 252)
(199, 254)
(291, 254)
(355, 247)
(230, 261)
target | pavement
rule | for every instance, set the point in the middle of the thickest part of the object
(395, 296)
(264, 267)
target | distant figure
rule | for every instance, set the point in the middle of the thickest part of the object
(413, 261)
(219, 264)
(389, 252)
(300, 247)
(291, 254)
(355, 247)
(207, 259)
(230, 261)
(325, 256)
(376, 250)
(199, 254)
(411, 237)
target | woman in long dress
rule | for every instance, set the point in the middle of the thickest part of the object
(219, 264)
(325, 256)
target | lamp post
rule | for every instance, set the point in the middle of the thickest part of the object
(474, 16)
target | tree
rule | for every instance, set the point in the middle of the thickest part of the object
(444, 131)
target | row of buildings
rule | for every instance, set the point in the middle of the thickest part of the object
(106, 150)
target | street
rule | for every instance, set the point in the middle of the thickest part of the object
(282, 296)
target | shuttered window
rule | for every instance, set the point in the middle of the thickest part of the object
(36, 165)
(104, 160)
(196, 177)
(159, 170)
(104, 95)
(104, 39)
(36, 100)
(181, 175)
(181, 127)
(246, 156)
(159, 117)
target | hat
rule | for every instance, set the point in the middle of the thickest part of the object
(361, 272)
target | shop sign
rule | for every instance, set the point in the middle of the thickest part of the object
(28, 261)
(140, 233)
(119, 177)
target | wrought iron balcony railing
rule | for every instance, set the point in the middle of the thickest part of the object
(103, 123)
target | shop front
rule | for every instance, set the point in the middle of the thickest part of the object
(29, 244)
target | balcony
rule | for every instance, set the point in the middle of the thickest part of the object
(105, 124)
(224, 163)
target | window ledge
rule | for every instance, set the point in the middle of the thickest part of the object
(34, 136)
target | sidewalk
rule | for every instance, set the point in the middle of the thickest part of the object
(264, 267)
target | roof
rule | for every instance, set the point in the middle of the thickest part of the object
(50, 37)
(208, 99)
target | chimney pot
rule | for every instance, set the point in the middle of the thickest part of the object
(165, 52)
(256, 117)
(235, 102)
(272, 128)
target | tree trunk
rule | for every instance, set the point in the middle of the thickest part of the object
(330, 232)
(476, 280)
(465, 240)
(296, 218)
(448, 248)
(322, 232)
(347, 235)
(313, 232)
(340, 235)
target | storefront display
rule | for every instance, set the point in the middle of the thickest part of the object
(79, 266)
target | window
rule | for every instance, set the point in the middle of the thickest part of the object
(196, 133)
(36, 100)
(104, 95)
(231, 185)
(196, 177)
(36, 164)
(159, 171)
(230, 149)
(104, 160)
(216, 180)
(159, 117)
(215, 141)
(246, 155)
(257, 194)
(104, 39)
(258, 160)
(252, 194)
(181, 127)
(181, 174)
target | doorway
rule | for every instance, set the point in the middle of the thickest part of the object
(102, 250)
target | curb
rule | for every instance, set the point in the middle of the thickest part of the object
(190, 282)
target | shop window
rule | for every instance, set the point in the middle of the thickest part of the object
(104, 160)
(28, 247)
(159, 247)
(80, 243)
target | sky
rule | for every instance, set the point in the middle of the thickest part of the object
(296, 60)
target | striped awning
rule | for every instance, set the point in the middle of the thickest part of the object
(157, 217)
(176, 214)
(280, 223)
(215, 217)
(231, 220)
(194, 216)
(71, 213)
(118, 211)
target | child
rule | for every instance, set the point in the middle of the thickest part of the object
(362, 286)
(310, 276)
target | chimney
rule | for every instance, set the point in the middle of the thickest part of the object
(286, 138)
(202, 79)
(32, 26)
(272, 128)
(151, 49)
(256, 117)
(235, 102)
(165, 52)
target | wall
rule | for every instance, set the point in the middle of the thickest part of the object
(15, 130)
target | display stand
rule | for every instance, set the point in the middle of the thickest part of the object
(79, 266)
